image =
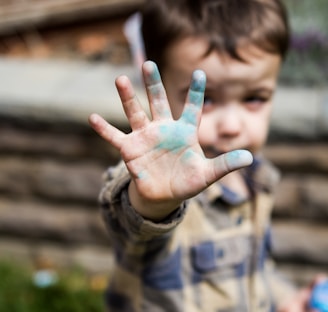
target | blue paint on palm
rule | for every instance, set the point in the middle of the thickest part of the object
(188, 154)
(142, 175)
(174, 137)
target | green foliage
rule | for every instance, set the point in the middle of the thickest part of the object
(308, 14)
(70, 294)
(307, 61)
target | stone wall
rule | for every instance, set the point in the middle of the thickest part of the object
(51, 176)
(49, 183)
(300, 217)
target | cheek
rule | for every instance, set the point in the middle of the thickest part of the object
(206, 131)
(258, 131)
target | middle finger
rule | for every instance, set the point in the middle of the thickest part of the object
(159, 105)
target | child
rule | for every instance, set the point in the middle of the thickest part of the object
(186, 236)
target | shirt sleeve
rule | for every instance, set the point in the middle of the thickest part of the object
(122, 220)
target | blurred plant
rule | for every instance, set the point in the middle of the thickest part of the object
(71, 293)
(307, 61)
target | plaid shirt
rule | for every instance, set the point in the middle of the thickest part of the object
(211, 254)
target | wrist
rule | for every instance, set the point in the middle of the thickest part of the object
(148, 209)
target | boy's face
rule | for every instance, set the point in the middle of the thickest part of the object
(238, 97)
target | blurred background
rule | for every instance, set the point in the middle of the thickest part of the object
(58, 62)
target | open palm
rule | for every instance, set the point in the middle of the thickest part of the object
(163, 155)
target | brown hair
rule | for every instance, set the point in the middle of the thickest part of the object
(226, 24)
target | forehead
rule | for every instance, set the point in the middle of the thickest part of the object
(183, 57)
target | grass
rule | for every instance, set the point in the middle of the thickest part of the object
(74, 291)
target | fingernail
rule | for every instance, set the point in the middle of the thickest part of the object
(93, 118)
(238, 159)
(198, 82)
(152, 72)
(197, 88)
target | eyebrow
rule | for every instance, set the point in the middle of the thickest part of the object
(209, 89)
(262, 90)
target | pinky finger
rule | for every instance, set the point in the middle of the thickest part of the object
(106, 131)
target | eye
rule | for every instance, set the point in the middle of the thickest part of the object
(207, 100)
(208, 103)
(255, 101)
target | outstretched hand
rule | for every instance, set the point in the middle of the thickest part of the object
(163, 155)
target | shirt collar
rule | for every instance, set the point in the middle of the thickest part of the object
(260, 176)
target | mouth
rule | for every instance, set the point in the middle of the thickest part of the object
(212, 152)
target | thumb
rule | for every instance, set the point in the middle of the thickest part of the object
(225, 163)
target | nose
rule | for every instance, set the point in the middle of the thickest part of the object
(229, 122)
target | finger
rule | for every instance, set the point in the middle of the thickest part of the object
(159, 105)
(195, 98)
(132, 108)
(106, 131)
(223, 164)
